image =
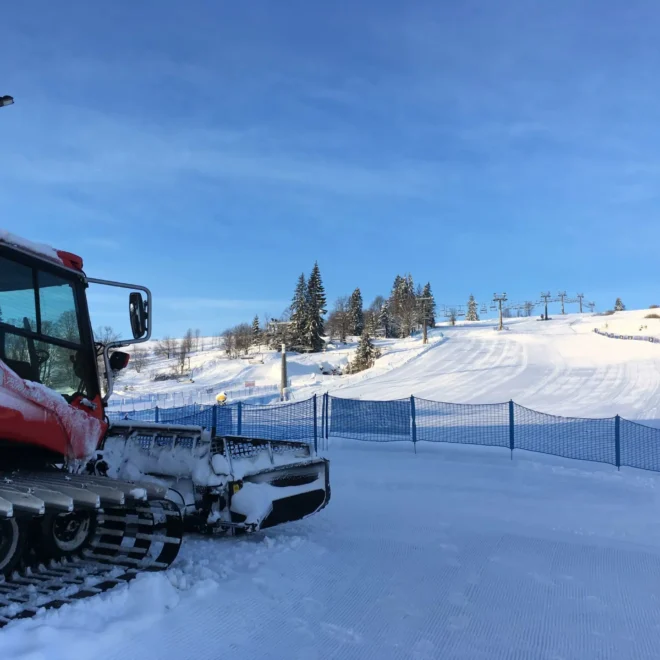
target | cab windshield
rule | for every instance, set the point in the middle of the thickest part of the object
(40, 331)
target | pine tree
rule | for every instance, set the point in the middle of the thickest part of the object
(315, 309)
(472, 310)
(371, 323)
(403, 306)
(429, 304)
(384, 319)
(299, 312)
(256, 331)
(355, 312)
(365, 355)
(619, 306)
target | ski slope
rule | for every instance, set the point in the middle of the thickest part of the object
(457, 552)
(560, 367)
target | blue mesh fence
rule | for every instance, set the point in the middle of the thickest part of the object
(610, 440)
(485, 424)
(640, 446)
(138, 415)
(373, 421)
(290, 421)
(570, 437)
(195, 415)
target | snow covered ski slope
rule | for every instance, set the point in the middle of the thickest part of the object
(560, 367)
(456, 552)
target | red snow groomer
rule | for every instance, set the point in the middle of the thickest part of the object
(76, 508)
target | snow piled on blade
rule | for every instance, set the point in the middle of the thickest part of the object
(37, 248)
(254, 501)
(83, 431)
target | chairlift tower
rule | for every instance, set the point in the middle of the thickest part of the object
(580, 297)
(284, 381)
(561, 295)
(499, 299)
(545, 297)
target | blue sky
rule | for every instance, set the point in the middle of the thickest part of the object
(213, 151)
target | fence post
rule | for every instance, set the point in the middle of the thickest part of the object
(617, 441)
(214, 420)
(316, 446)
(327, 416)
(322, 417)
(156, 414)
(239, 418)
(511, 434)
(414, 423)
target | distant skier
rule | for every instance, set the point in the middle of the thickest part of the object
(221, 398)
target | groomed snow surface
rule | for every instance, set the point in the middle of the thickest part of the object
(456, 552)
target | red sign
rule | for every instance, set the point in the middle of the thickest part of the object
(249, 383)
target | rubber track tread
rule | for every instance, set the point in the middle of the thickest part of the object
(149, 540)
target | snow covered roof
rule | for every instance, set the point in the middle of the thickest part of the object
(61, 257)
(37, 248)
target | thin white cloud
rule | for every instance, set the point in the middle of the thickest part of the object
(102, 242)
(191, 304)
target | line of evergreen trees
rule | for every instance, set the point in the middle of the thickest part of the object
(399, 315)
(303, 326)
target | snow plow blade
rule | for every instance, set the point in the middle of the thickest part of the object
(225, 484)
(284, 494)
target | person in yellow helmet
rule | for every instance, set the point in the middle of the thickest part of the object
(221, 398)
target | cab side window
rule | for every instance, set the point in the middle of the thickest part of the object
(17, 300)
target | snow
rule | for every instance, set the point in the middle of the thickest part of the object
(25, 244)
(220, 464)
(559, 367)
(456, 552)
(215, 372)
(632, 323)
(453, 552)
(127, 460)
(254, 501)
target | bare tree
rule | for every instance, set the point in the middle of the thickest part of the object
(529, 308)
(237, 340)
(185, 348)
(198, 334)
(452, 315)
(106, 334)
(229, 341)
(339, 321)
(166, 347)
(139, 358)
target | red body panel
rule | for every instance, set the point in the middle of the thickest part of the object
(31, 414)
(25, 421)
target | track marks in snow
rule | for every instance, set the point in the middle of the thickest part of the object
(557, 368)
